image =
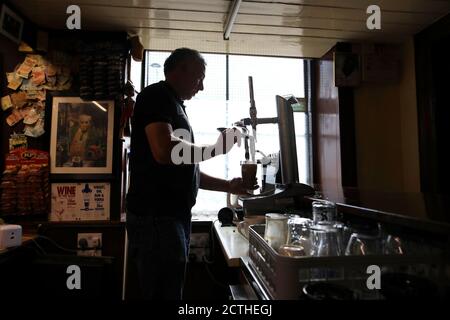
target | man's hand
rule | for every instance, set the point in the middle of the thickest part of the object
(227, 139)
(236, 186)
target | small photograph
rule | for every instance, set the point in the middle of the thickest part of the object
(11, 25)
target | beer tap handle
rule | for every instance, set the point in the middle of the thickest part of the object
(246, 138)
(253, 111)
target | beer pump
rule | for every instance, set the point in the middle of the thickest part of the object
(290, 192)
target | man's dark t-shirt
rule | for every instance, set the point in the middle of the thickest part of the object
(156, 189)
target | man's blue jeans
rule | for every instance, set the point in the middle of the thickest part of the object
(159, 246)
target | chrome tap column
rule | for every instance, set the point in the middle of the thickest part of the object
(288, 148)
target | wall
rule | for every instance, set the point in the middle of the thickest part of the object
(386, 131)
(9, 58)
(432, 69)
(326, 135)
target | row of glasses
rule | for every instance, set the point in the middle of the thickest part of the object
(295, 236)
(325, 236)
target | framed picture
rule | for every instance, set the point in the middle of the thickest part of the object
(11, 25)
(81, 136)
(80, 201)
(347, 69)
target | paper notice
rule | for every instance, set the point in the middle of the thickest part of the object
(14, 118)
(19, 99)
(31, 117)
(24, 112)
(24, 71)
(39, 107)
(26, 67)
(36, 130)
(28, 85)
(31, 60)
(41, 95)
(38, 76)
(37, 95)
(6, 103)
(14, 81)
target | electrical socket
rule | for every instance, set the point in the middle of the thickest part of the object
(89, 244)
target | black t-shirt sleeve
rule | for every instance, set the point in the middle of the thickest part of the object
(153, 106)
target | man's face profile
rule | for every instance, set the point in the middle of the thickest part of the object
(85, 122)
(193, 74)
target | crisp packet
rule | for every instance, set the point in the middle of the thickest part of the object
(17, 141)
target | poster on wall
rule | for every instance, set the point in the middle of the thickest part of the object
(81, 136)
(80, 201)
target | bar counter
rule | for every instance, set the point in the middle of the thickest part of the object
(233, 244)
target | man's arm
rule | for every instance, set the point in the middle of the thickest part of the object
(214, 184)
(234, 186)
(161, 140)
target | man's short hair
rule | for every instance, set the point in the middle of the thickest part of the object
(179, 55)
(85, 116)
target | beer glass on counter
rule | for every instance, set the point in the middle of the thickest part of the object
(276, 230)
(248, 171)
(325, 241)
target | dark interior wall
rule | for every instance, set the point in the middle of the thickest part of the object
(333, 129)
(9, 58)
(68, 42)
(113, 232)
(326, 130)
(433, 68)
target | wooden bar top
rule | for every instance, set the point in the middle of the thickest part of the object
(233, 244)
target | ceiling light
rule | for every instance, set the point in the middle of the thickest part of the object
(231, 18)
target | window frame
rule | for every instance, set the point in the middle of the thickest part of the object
(306, 100)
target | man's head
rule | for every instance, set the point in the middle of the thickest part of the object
(185, 70)
(85, 122)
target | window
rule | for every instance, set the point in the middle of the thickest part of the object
(225, 100)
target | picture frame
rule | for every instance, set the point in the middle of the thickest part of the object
(81, 136)
(11, 25)
(80, 201)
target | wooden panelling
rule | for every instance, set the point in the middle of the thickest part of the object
(432, 69)
(159, 22)
(326, 130)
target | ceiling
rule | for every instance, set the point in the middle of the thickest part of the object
(305, 28)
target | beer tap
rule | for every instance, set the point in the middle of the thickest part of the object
(253, 121)
(253, 111)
